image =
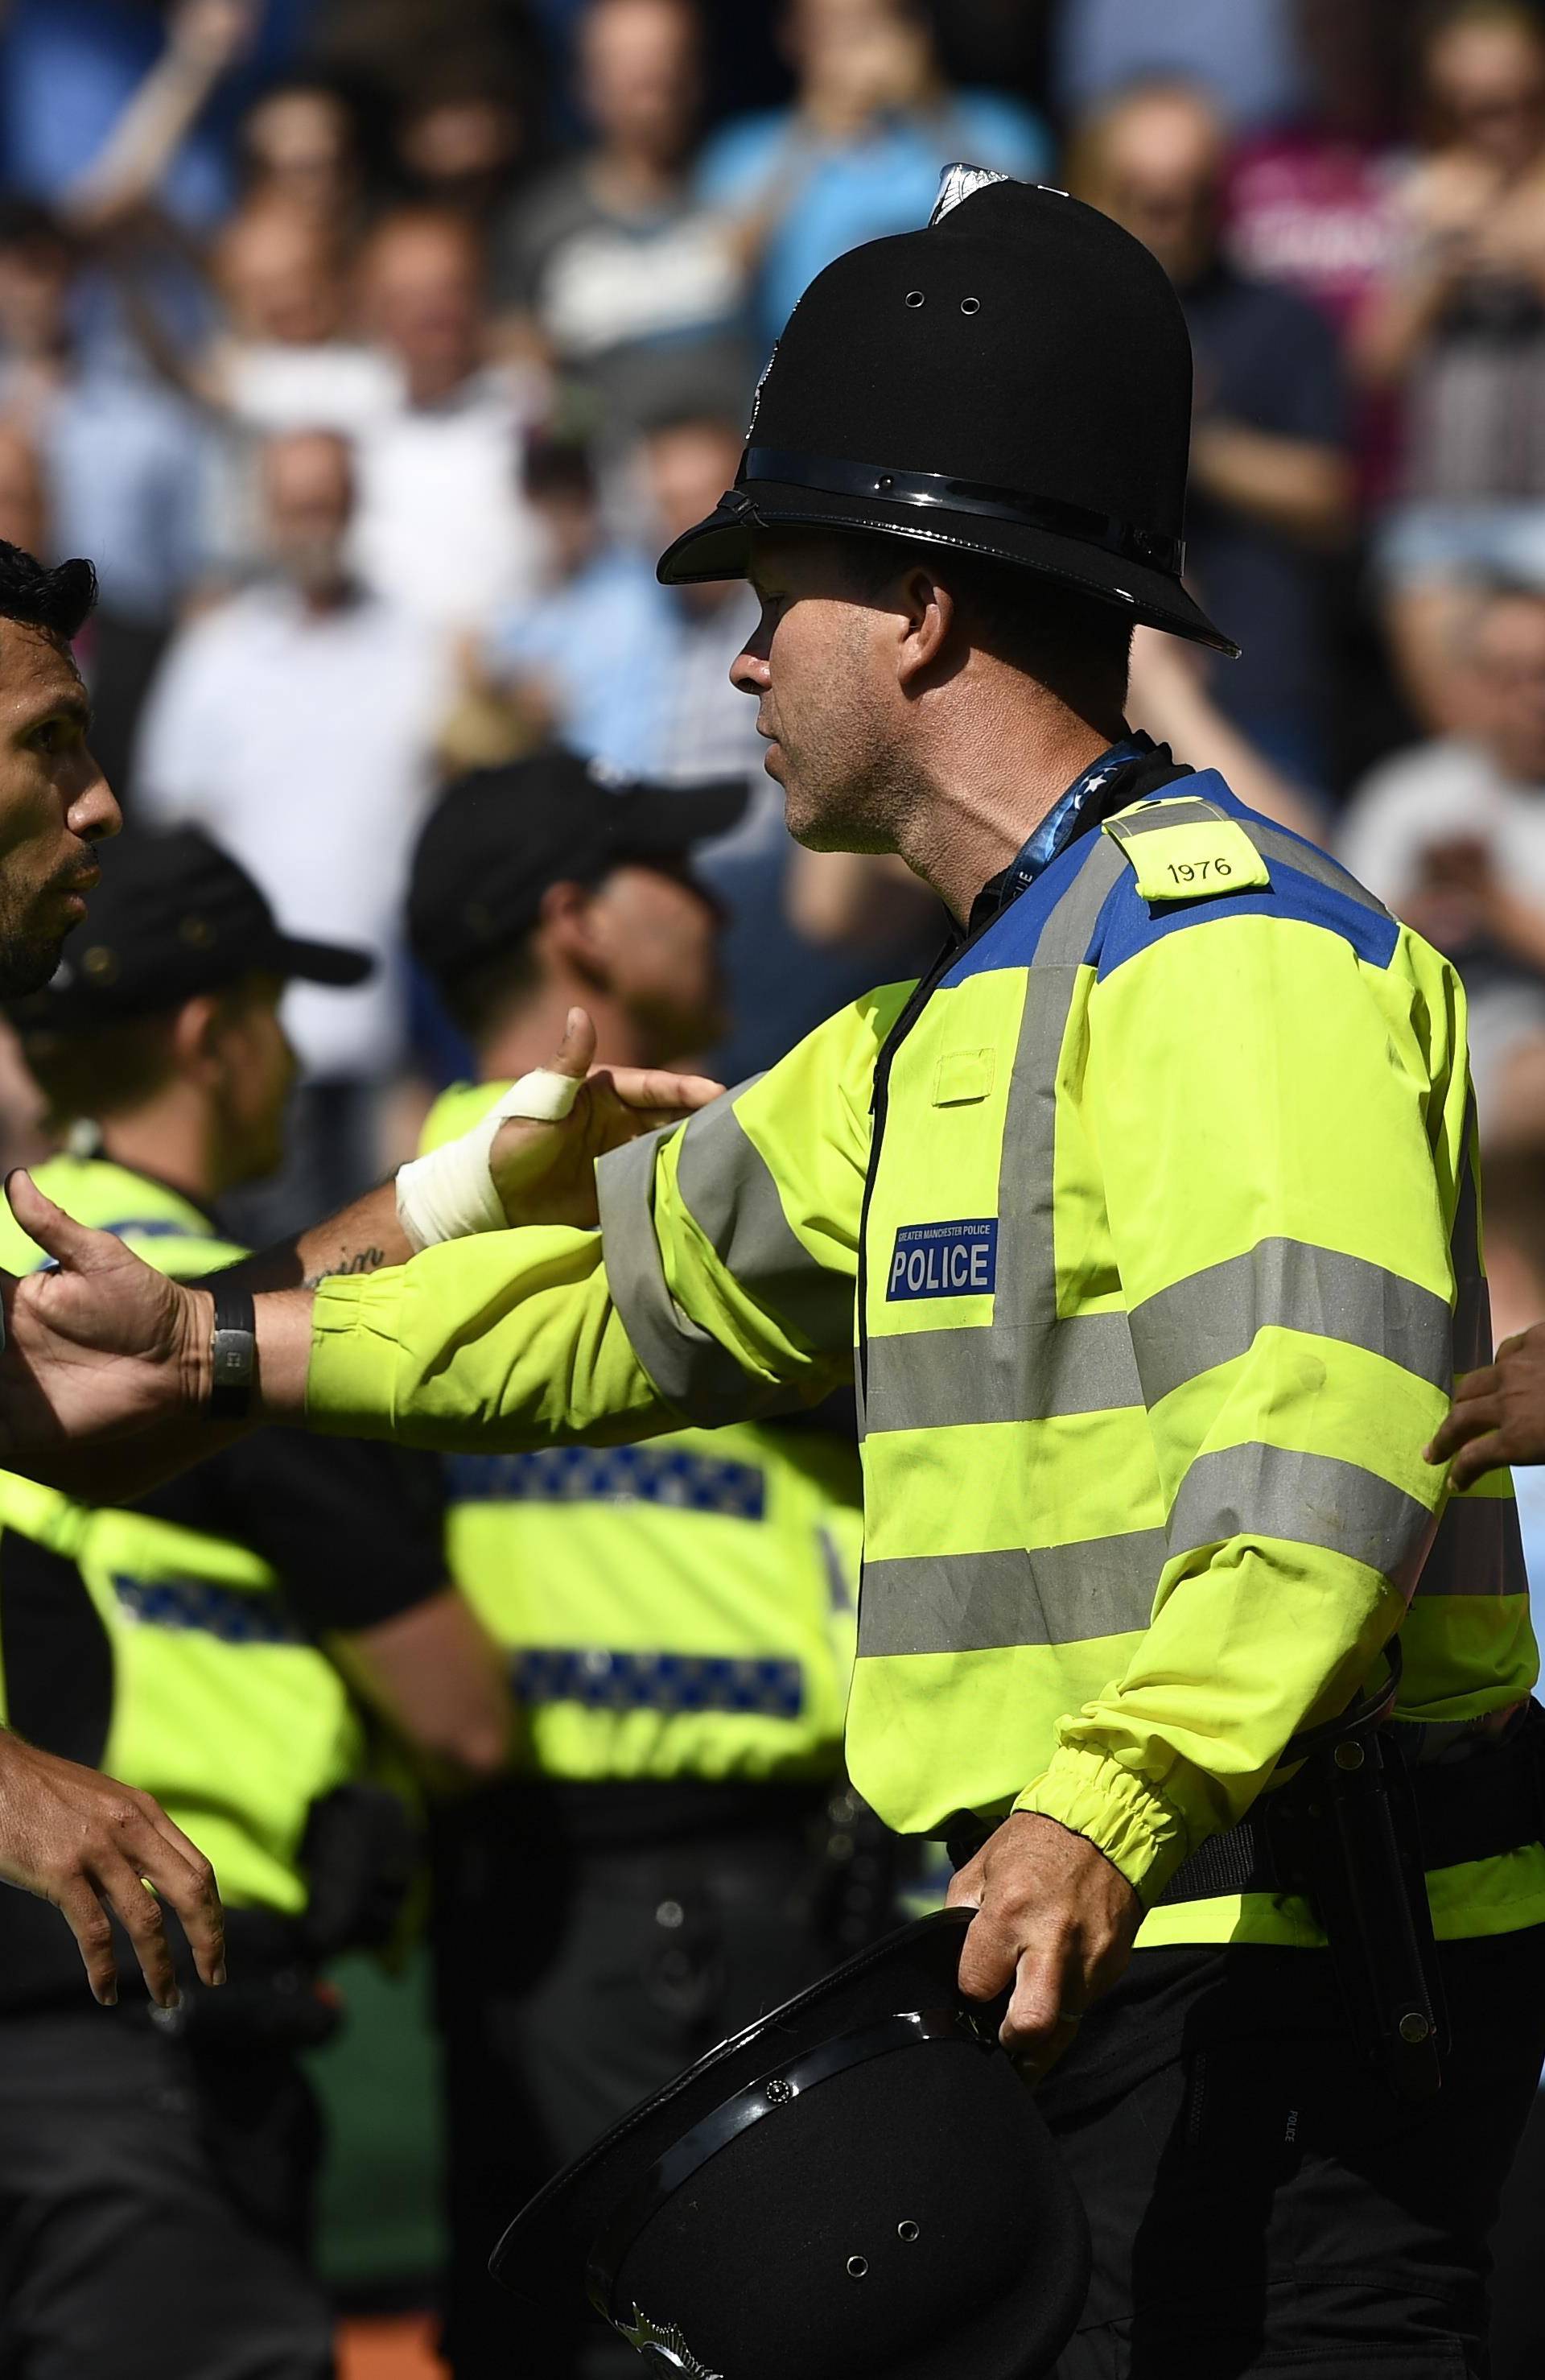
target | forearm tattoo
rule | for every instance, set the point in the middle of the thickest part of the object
(363, 1260)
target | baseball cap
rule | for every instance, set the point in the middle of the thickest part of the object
(498, 838)
(173, 916)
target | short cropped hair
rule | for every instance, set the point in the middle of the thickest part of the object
(1076, 645)
(59, 600)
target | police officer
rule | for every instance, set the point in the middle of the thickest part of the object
(677, 1617)
(156, 2166)
(1156, 1206)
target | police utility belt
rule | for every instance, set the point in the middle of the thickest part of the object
(1353, 1834)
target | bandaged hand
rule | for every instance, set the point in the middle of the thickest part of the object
(532, 1157)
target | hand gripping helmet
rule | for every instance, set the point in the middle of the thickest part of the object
(1013, 380)
(859, 2187)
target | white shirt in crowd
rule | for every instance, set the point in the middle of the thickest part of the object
(303, 743)
(443, 526)
(271, 387)
(1449, 791)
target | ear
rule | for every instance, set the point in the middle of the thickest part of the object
(566, 925)
(196, 1033)
(926, 621)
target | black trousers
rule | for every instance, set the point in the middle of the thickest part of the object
(566, 2003)
(1260, 2203)
(153, 2206)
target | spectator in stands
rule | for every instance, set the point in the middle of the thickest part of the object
(464, 133)
(1271, 487)
(598, 598)
(1460, 330)
(443, 524)
(299, 144)
(288, 359)
(128, 465)
(633, 286)
(295, 722)
(859, 153)
(1452, 835)
(24, 519)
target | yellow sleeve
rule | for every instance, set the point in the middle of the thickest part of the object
(719, 1287)
(1280, 1126)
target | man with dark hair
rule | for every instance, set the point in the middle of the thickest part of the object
(78, 1840)
(203, 1642)
(1153, 1208)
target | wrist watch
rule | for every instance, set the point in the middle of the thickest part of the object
(234, 1354)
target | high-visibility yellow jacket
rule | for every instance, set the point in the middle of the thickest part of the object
(221, 1707)
(1158, 1210)
(684, 1609)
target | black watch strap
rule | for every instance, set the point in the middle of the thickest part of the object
(233, 1353)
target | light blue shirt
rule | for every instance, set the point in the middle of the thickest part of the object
(128, 470)
(596, 644)
(840, 195)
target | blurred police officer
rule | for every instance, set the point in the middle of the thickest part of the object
(156, 2166)
(677, 1617)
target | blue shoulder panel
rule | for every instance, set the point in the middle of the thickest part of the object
(1318, 891)
(1307, 886)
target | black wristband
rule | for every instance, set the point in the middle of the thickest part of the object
(233, 1352)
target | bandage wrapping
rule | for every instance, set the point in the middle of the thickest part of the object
(451, 1192)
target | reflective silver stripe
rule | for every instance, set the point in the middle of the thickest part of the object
(1192, 811)
(980, 1603)
(937, 1380)
(1307, 1500)
(689, 1369)
(1472, 1303)
(1212, 1316)
(729, 1191)
(1273, 843)
(1027, 1364)
(1478, 1550)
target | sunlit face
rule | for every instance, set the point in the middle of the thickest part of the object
(639, 80)
(254, 1070)
(278, 275)
(54, 805)
(1509, 659)
(1159, 178)
(299, 146)
(308, 498)
(424, 291)
(1488, 80)
(817, 664)
(656, 937)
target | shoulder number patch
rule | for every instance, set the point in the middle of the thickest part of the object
(1187, 851)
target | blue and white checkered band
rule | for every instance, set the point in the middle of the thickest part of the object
(670, 1476)
(196, 1603)
(674, 1683)
(662, 2346)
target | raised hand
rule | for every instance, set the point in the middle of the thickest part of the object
(91, 1845)
(545, 1172)
(98, 1348)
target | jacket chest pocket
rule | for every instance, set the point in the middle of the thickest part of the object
(962, 1078)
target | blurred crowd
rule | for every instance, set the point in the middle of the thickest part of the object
(373, 351)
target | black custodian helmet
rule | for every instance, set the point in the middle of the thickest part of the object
(1013, 380)
(859, 2187)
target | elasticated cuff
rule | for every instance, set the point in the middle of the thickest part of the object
(1119, 1813)
(351, 1384)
